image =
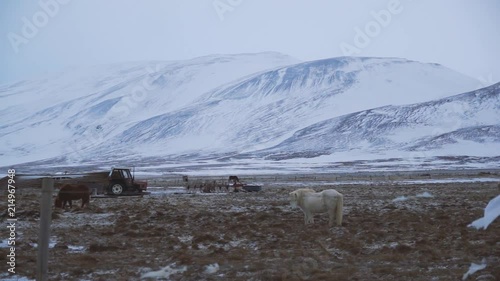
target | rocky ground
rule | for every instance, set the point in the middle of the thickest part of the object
(258, 236)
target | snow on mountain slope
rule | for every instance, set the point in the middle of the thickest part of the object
(472, 118)
(264, 109)
(373, 81)
(174, 83)
(84, 107)
(208, 106)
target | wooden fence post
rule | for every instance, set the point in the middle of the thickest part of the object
(44, 234)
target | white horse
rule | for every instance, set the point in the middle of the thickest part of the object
(311, 202)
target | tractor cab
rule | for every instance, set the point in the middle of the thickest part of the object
(121, 182)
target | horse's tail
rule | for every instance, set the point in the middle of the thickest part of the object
(57, 202)
(86, 199)
(86, 192)
(340, 207)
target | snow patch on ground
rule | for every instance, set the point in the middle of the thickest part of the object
(420, 195)
(491, 212)
(185, 239)
(69, 219)
(76, 249)
(52, 243)
(164, 272)
(424, 195)
(474, 267)
(400, 198)
(212, 268)
(162, 191)
(4, 243)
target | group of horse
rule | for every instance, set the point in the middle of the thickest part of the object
(209, 186)
(308, 200)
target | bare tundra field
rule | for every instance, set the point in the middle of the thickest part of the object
(174, 235)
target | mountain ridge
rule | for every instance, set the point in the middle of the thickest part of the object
(210, 106)
(473, 110)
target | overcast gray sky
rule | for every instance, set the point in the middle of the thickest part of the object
(44, 36)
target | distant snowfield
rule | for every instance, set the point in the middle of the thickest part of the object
(450, 180)
(353, 161)
(166, 191)
(395, 182)
(292, 166)
(458, 149)
(317, 165)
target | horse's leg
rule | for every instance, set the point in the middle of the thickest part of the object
(331, 216)
(308, 217)
(339, 209)
(85, 201)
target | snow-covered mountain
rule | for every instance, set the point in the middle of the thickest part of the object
(261, 110)
(460, 120)
(82, 108)
(264, 105)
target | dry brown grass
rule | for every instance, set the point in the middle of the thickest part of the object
(257, 236)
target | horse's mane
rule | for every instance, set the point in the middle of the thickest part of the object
(75, 186)
(301, 192)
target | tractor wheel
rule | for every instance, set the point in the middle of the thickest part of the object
(116, 189)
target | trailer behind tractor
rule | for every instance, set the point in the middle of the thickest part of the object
(116, 182)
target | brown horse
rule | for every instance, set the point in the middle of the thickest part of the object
(71, 192)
